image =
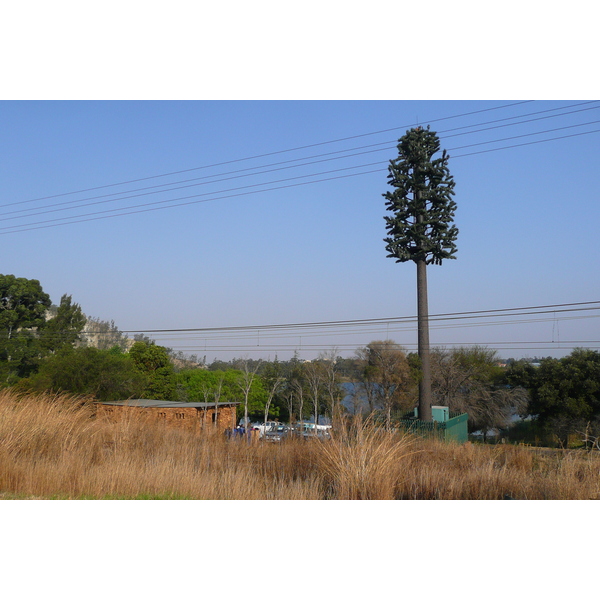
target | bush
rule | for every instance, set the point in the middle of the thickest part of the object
(103, 374)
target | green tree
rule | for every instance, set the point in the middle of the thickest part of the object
(65, 327)
(421, 226)
(386, 377)
(153, 361)
(469, 380)
(104, 374)
(201, 385)
(23, 306)
(520, 373)
(273, 381)
(565, 392)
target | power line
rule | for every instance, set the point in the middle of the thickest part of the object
(42, 212)
(408, 327)
(309, 347)
(523, 310)
(81, 218)
(562, 137)
(267, 154)
(539, 112)
(307, 332)
(514, 137)
(317, 348)
(128, 210)
(237, 173)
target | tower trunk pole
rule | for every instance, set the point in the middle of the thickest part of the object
(425, 397)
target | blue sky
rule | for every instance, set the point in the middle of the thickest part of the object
(527, 217)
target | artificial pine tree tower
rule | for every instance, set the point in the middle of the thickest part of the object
(421, 227)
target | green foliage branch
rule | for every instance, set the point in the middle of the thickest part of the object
(421, 227)
(565, 392)
(153, 361)
(104, 374)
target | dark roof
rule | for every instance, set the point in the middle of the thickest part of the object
(165, 403)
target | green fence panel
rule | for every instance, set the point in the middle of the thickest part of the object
(456, 429)
(453, 430)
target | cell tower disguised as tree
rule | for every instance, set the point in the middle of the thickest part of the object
(421, 226)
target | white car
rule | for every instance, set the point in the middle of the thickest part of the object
(264, 427)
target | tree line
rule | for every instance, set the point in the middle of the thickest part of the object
(46, 347)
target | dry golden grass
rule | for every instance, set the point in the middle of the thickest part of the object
(363, 461)
(467, 471)
(52, 447)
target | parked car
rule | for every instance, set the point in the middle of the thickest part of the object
(320, 434)
(309, 431)
(277, 434)
(264, 427)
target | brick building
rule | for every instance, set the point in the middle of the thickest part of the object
(192, 416)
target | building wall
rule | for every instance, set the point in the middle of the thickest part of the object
(195, 420)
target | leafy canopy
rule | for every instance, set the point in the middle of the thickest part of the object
(201, 385)
(421, 226)
(23, 303)
(153, 361)
(65, 327)
(567, 387)
(105, 374)
(23, 306)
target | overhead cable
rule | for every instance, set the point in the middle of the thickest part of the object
(272, 153)
(128, 210)
(253, 171)
(523, 310)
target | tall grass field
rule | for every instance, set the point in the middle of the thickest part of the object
(53, 447)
